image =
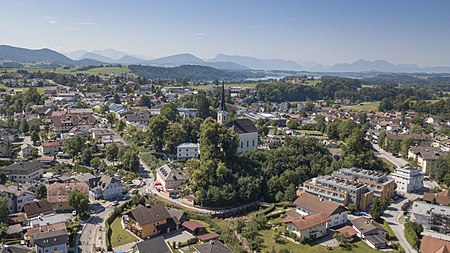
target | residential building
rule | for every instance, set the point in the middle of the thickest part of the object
(98, 133)
(407, 179)
(212, 246)
(419, 139)
(52, 242)
(58, 194)
(441, 198)
(17, 197)
(378, 182)
(37, 208)
(170, 178)
(50, 148)
(187, 113)
(432, 217)
(26, 150)
(426, 157)
(308, 227)
(150, 221)
(24, 172)
(63, 121)
(340, 190)
(187, 151)
(15, 248)
(154, 245)
(5, 148)
(107, 188)
(9, 134)
(33, 232)
(372, 233)
(137, 118)
(307, 204)
(430, 244)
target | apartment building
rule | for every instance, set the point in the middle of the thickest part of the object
(407, 179)
(432, 217)
(378, 182)
(426, 157)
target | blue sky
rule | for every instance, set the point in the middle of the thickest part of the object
(327, 32)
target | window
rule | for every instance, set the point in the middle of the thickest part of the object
(253, 143)
(247, 144)
(242, 144)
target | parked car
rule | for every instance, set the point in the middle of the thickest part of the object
(74, 213)
(115, 203)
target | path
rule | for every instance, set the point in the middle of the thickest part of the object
(397, 161)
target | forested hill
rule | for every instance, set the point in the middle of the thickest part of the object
(189, 72)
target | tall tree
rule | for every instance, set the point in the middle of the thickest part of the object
(3, 208)
(41, 191)
(156, 128)
(174, 136)
(202, 105)
(78, 200)
(169, 111)
(217, 142)
(74, 146)
(112, 152)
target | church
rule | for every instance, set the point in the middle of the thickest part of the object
(244, 128)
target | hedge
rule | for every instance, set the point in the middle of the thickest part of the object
(390, 231)
(411, 236)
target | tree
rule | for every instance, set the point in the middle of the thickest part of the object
(332, 130)
(78, 200)
(406, 143)
(386, 105)
(202, 105)
(112, 152)
(379, 205)
(23, 127)
(145, 101)
(293, 124)
(174, 136)
(217, 142)
(169, 111)
(120, 125)
(35, 137)
(340, 238)
(3, 208)
(381, 139)
(86, 156)
(96, 162)
(41, 191)
(3, 177)
(156, 128)
(130, 160)
(74, 146)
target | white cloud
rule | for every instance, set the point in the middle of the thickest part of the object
(84, 23)
(201, 34)
(52, 22)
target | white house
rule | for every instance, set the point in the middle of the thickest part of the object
(106, 187)
(187, 151)
(308, 204)
(372, 233)
(169, 178)
(407, 179)
(17, 197)
(26, 150)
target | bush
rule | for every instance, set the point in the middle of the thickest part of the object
(391, 233)
(412, 233)
(275, 215)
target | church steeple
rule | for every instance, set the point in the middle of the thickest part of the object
(222, 114)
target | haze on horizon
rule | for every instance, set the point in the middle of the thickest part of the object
(324, 32)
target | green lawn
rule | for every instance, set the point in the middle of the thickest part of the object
(390, 165)
(269, 243)
(74, 71)
(221, 222)
(366, 106)
(309, 132)
(39, 89)
(120, 236)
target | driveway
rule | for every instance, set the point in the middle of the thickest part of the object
(178, 237)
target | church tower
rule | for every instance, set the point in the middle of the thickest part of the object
(222, 113)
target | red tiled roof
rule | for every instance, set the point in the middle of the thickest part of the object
(208, 237)
(51, 144)
(311, 220)
(433, 245)
(193, 225)
(59, 192)
(347, 231)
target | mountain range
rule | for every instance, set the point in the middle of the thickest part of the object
(221, 61)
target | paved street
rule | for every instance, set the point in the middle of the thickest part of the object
(397, 161)
(93, 233)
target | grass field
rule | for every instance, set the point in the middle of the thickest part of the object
(309, 132)
(228, 85)
(39, 89)
(366, 106)
(120, 236)
(101, 71)
(269, 243)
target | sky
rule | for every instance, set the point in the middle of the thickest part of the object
(318, 31)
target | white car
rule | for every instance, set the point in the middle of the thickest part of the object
(74, 213)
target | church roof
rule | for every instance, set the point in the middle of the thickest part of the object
(243, 126)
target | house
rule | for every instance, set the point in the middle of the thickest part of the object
(194, 227)
(137, 118)
(308, 227)
(107, 188)
(431, 216)
(50, 148)
(442, 198)
(430, 244)
(52, 242)
(212, 247)
(407, 179)
(37, 208)
(98, 133)
(154, 245)
(426, 157)
(150, 221)
(33, 232)
(24, 172)
(372, 233)
(170, 178)
(63, 121)
(307, 204)
(187, 151)
(5, 148)
(17, 197)
(348, 232)
(187, 113)
(14, 248)
(9, 134)
(26, 150)
(58, 194)
(208, 237)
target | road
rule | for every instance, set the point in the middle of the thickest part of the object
(399, 162)
(93, 233)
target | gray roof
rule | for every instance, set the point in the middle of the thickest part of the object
(167, 173)
(51, 238)
(154, 245)
(366, 225)
(85, 177)
(105, 181)
(15, 248)
(243, 126)
(23, 167)
(212, 247)
(376, 239)
(138, 116)
(188, 145)
(14, 229)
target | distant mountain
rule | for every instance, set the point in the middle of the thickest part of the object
(384, 66)
(127, 59)
(110, 53)
(255, 63)
(76, 54)
(46, 56)
(95, 56)
(178, 59)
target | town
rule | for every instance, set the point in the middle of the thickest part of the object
(120, 162)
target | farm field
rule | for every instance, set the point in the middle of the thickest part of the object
(365, 106)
